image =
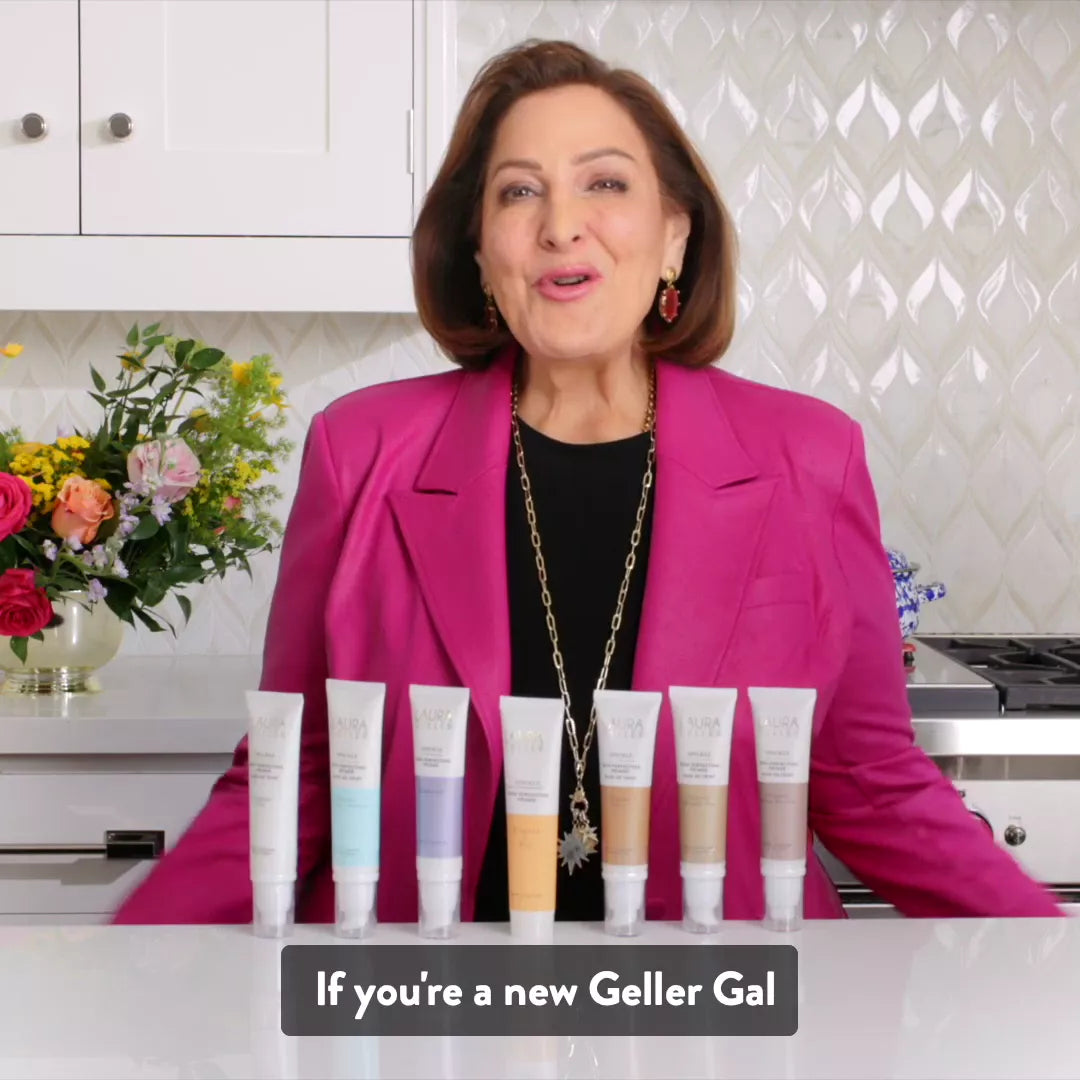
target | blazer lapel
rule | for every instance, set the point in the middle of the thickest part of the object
(711, 506)
(453, 525)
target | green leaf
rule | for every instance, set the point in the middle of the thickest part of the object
(147, 526)
(18, 647)
(99, 382)
(185, 607)
(205, 358)
(147, 620)
(182, 351)
(152, 330)
(179, 531)
(25, 544)
(133, 336)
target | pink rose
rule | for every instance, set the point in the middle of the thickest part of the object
(16, 502)
(164, 467)
(24, 608)
(81, 506)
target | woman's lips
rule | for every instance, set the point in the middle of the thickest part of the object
(548, 286)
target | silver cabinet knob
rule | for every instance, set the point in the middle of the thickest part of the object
(120, 125)
(33, 126)
(1015, 835)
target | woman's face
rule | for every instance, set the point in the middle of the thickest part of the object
(575, 238)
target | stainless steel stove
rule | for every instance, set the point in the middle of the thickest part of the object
(1000, 715)
(1026, 673)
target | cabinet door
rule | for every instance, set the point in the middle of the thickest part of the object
(247, 117)
(78, 808)
(39, 77)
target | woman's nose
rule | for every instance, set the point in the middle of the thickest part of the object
(561, 225)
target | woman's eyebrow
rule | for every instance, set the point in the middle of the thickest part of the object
(581, 159)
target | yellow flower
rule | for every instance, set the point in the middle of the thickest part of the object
(28, 448)
(103, 483)
(130, 362)
(200, 418)
(241, 373)
(11, 350)
(73, 442)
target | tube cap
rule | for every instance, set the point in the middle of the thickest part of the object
(273, 908)
(440, 906)
(703, 904)
(355, 908)
(624, 907)
(783, 903)
(533, 927)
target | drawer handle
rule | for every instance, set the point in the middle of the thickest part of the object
(118, 844)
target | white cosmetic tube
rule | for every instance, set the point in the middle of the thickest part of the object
(532, 731)
(783, 723)
(355, 716)
(274, 724)
(704, 718)
(440, 715)
(626, 722)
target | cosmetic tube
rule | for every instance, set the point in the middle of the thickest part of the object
(355, 716)
(532, 754)
(440, 715)
(704, 718)
(783, 721)
(274, 724)
(626, 722)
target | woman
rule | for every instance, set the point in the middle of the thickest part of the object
(688, 527)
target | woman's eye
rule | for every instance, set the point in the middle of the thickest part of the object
(515, 192)
(610, 184)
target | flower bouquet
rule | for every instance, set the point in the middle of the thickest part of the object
(166, 493)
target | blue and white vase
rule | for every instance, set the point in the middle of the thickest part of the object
(910, 595)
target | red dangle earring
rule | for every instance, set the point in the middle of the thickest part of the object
(668, 305)
(491, 311)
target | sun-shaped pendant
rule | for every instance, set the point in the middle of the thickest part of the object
(576, 847)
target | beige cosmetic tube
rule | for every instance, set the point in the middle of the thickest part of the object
(783, 723)
(532, 731)
(703, 717)
(626, 722)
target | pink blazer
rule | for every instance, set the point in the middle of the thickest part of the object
(766, 567)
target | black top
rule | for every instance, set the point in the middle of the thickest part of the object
(586, 499)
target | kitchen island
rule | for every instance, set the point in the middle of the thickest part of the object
(878, 998)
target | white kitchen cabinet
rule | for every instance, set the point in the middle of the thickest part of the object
(141, 755)
(39, 116)
(234, 118)
(219, 155)
(66, 802)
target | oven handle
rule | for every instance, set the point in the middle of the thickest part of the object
(117, 844)
(861, 896)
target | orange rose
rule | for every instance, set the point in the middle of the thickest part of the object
(81, 507)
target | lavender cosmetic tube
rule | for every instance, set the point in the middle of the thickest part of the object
(440, 715)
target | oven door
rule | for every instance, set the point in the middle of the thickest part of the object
(861, 902)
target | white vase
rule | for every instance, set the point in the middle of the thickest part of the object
(66, 662)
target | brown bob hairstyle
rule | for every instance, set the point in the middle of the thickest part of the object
(446, 277)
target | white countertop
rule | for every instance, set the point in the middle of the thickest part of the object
(880, 998)
(195, 705)
(147, 705)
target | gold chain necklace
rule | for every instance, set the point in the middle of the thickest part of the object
(581, 840)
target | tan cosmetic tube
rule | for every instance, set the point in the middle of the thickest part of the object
(704, 718)
(532, 732)
(783, 724)
(626, 722)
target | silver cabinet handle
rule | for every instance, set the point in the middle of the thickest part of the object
(117, 844)
(120, 125)
(33, 126)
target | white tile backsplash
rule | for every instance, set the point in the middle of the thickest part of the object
(906, 179)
